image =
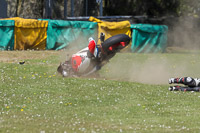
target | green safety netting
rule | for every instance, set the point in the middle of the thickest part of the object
(148, 38)
(7, 34)
(62, 34)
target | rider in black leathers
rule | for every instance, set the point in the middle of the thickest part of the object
(192, 84)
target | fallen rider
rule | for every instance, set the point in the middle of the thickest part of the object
(191, 84)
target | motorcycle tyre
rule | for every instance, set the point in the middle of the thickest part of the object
(114, 40)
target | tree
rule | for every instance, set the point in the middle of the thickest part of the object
(142, 7)
(189, 8)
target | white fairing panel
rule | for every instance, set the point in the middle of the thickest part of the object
(86, 61)
(84, 65)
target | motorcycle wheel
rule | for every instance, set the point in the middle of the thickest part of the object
(115, 40)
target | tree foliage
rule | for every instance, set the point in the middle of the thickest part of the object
(189, 8)
(152, 8)
(141, 7)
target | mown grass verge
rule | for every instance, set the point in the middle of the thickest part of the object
(34, 98)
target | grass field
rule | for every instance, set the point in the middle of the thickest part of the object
(131, 95)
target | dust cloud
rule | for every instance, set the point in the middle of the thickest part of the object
(183, 37)
(184, 33)
(73, 47)
(155, 68)
(152, 71)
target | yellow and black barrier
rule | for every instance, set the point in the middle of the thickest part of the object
(22, 34)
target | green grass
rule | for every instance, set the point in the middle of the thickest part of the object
(34, 98)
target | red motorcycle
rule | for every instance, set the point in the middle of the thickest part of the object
(90, 59)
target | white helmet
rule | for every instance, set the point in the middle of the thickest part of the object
(64, 73)
(90, 39)
(65, 69)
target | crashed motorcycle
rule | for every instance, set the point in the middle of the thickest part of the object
(92, 58)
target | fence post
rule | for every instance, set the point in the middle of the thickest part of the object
(3, 7)
(72, 8)
(48, 8)
(100, 2)
(86, 8)
(101, 8)
(65, 9)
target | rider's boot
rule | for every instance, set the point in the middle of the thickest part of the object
(173, 88)
(102, 37)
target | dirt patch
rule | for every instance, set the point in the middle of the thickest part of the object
(15, 56)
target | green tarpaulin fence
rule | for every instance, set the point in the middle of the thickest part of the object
(61, 34)
(148, 38)
(7, 34)
(74, 34)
